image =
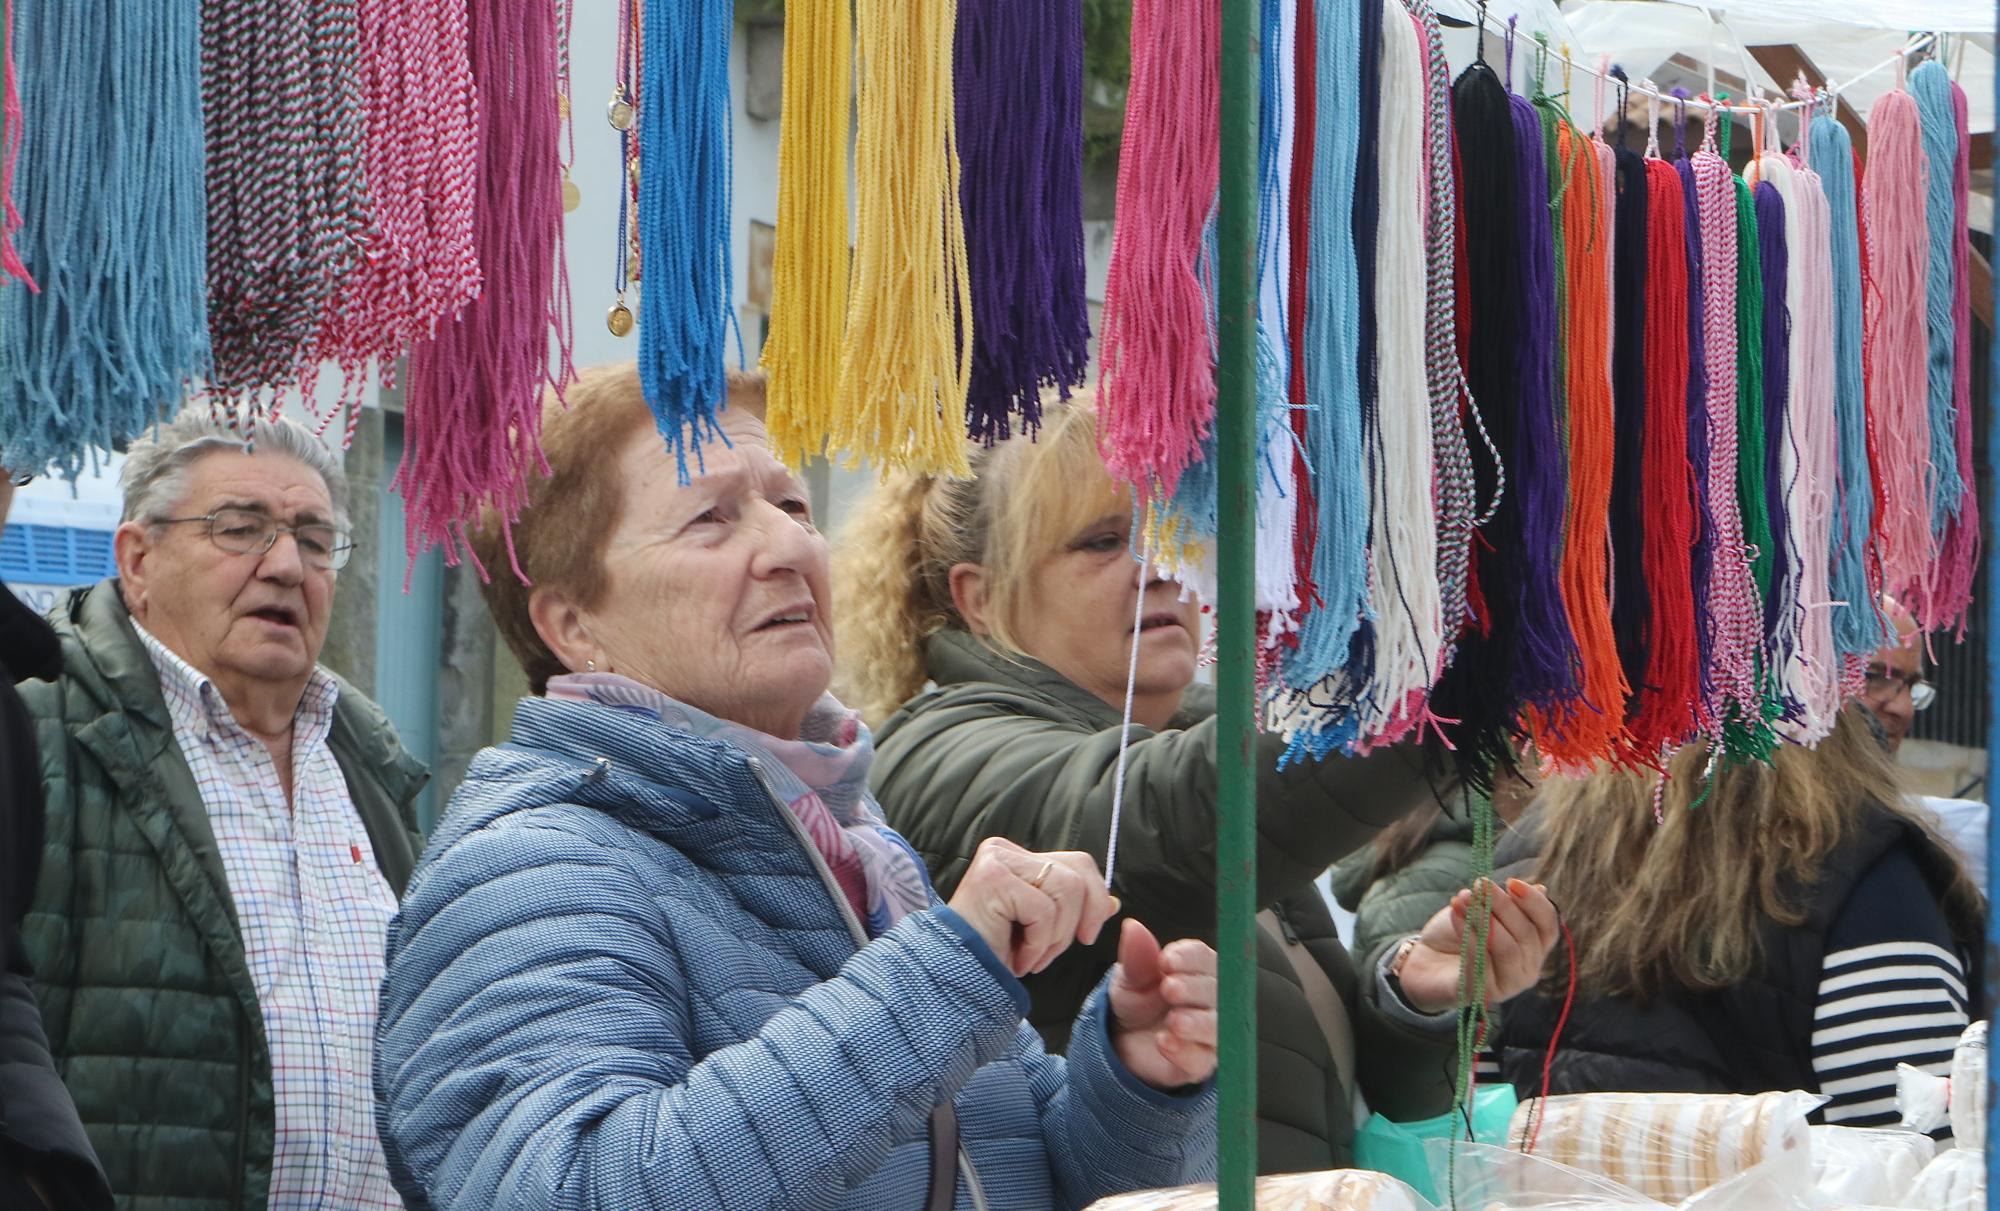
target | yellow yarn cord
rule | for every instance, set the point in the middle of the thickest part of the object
(810, 262)
(908, 352)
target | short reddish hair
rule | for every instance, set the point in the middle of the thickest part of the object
(560, 537)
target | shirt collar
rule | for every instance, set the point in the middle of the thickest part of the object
(195, 703)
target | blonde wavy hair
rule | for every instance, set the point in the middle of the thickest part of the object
(892, 565)
(1679, 903)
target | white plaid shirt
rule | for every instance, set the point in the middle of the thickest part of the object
(314, 910)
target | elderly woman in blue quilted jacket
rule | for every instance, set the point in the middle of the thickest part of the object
(662, 951)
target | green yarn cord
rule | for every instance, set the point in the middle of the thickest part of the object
(1750, 463)
(1473, 1020)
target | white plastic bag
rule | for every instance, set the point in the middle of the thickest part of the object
(1672, 1146)
(1501, 1179)
(1866, 1166)
(1331, 1190)
(1968, 1088)
(1955, 1181)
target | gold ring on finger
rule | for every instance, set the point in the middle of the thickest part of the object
(1041, 874)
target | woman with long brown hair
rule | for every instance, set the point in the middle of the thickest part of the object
(1749, 927)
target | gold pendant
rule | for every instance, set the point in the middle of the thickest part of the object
(572, 196)
(620, 320)
(562, 106)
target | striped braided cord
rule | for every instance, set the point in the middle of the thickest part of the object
(1735, 613)
(287, 206)
(1451, 398)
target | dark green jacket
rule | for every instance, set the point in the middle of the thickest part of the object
(145, 989)
(1011, 748)
(1400, 902)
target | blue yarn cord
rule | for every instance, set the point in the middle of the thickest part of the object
(1858, 625)
(1331, 349)
(1930, 84)
(111, 186)
(684, 183)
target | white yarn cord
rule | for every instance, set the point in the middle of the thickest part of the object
(1403, 539)
(1125, 729)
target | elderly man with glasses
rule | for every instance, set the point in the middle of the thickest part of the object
(230, 827)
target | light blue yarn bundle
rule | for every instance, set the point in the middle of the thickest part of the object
(1858, 625)
(684, 199)
(1930, 84)
(1332, 348)
(111, 186)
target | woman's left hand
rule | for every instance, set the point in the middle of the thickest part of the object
(1163, 1008)
(1525, 929)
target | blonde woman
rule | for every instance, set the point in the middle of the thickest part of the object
(1786, 926)
(1014, 595)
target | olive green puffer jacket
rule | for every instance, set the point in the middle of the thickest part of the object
(144, 986)
(1011, 748)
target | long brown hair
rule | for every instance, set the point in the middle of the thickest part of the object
(892, 565)
(1679, 903)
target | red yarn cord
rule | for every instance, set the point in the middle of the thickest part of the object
(1555, 1040)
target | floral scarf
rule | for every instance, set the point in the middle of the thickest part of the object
(822, 777)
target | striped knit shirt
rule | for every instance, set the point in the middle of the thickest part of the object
(1891, 990)
(314, 911)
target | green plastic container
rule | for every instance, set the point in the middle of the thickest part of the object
(1397, 1149)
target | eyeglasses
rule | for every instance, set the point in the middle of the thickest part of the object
(1885, 685)
(247, 532)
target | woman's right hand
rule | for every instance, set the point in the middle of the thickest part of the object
(1031, 907)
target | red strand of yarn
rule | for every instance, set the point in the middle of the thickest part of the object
(1304, 127)
(1663, 710)
(1555, 1040)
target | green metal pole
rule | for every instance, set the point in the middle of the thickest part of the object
(1236, 610)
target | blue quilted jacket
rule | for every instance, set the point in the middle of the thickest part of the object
(621, 979)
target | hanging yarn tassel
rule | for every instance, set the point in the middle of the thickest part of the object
(1631, 596)
(1664, 706)
(422, 164)
(1858, 626)
(1733, 609)
(1334, 448)
(809, 264)
(1930, 87)
(114, 232)
(288, 213)
(1812, 445)
(1778, 564)
(1898, 255)
(1477, 689)
(1403, 533)
(1156, 376)
(472, 428)
(1019, 85)
(1545, 667)
(1576, 736)
(10, 150)
(1456, 500)
(684, 185)
(1696, 414)
(1958, 560)
(1305, 54)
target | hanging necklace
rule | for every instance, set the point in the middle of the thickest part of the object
(623, 115)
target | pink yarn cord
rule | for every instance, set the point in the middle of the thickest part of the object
(1958, 562)
(10, 151)
(1156, 382)
(1732, 595)
(473, 424)
(1899, 250)
(1814, 429)
(422, 157)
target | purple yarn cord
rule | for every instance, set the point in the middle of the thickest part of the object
(1776, 259)
(1546, 670)
(1020, 135)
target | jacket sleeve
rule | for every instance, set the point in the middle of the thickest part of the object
(1106, 1132)
(977, 770)
(1400, 903)
(537, 1040)
(42, 1133)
